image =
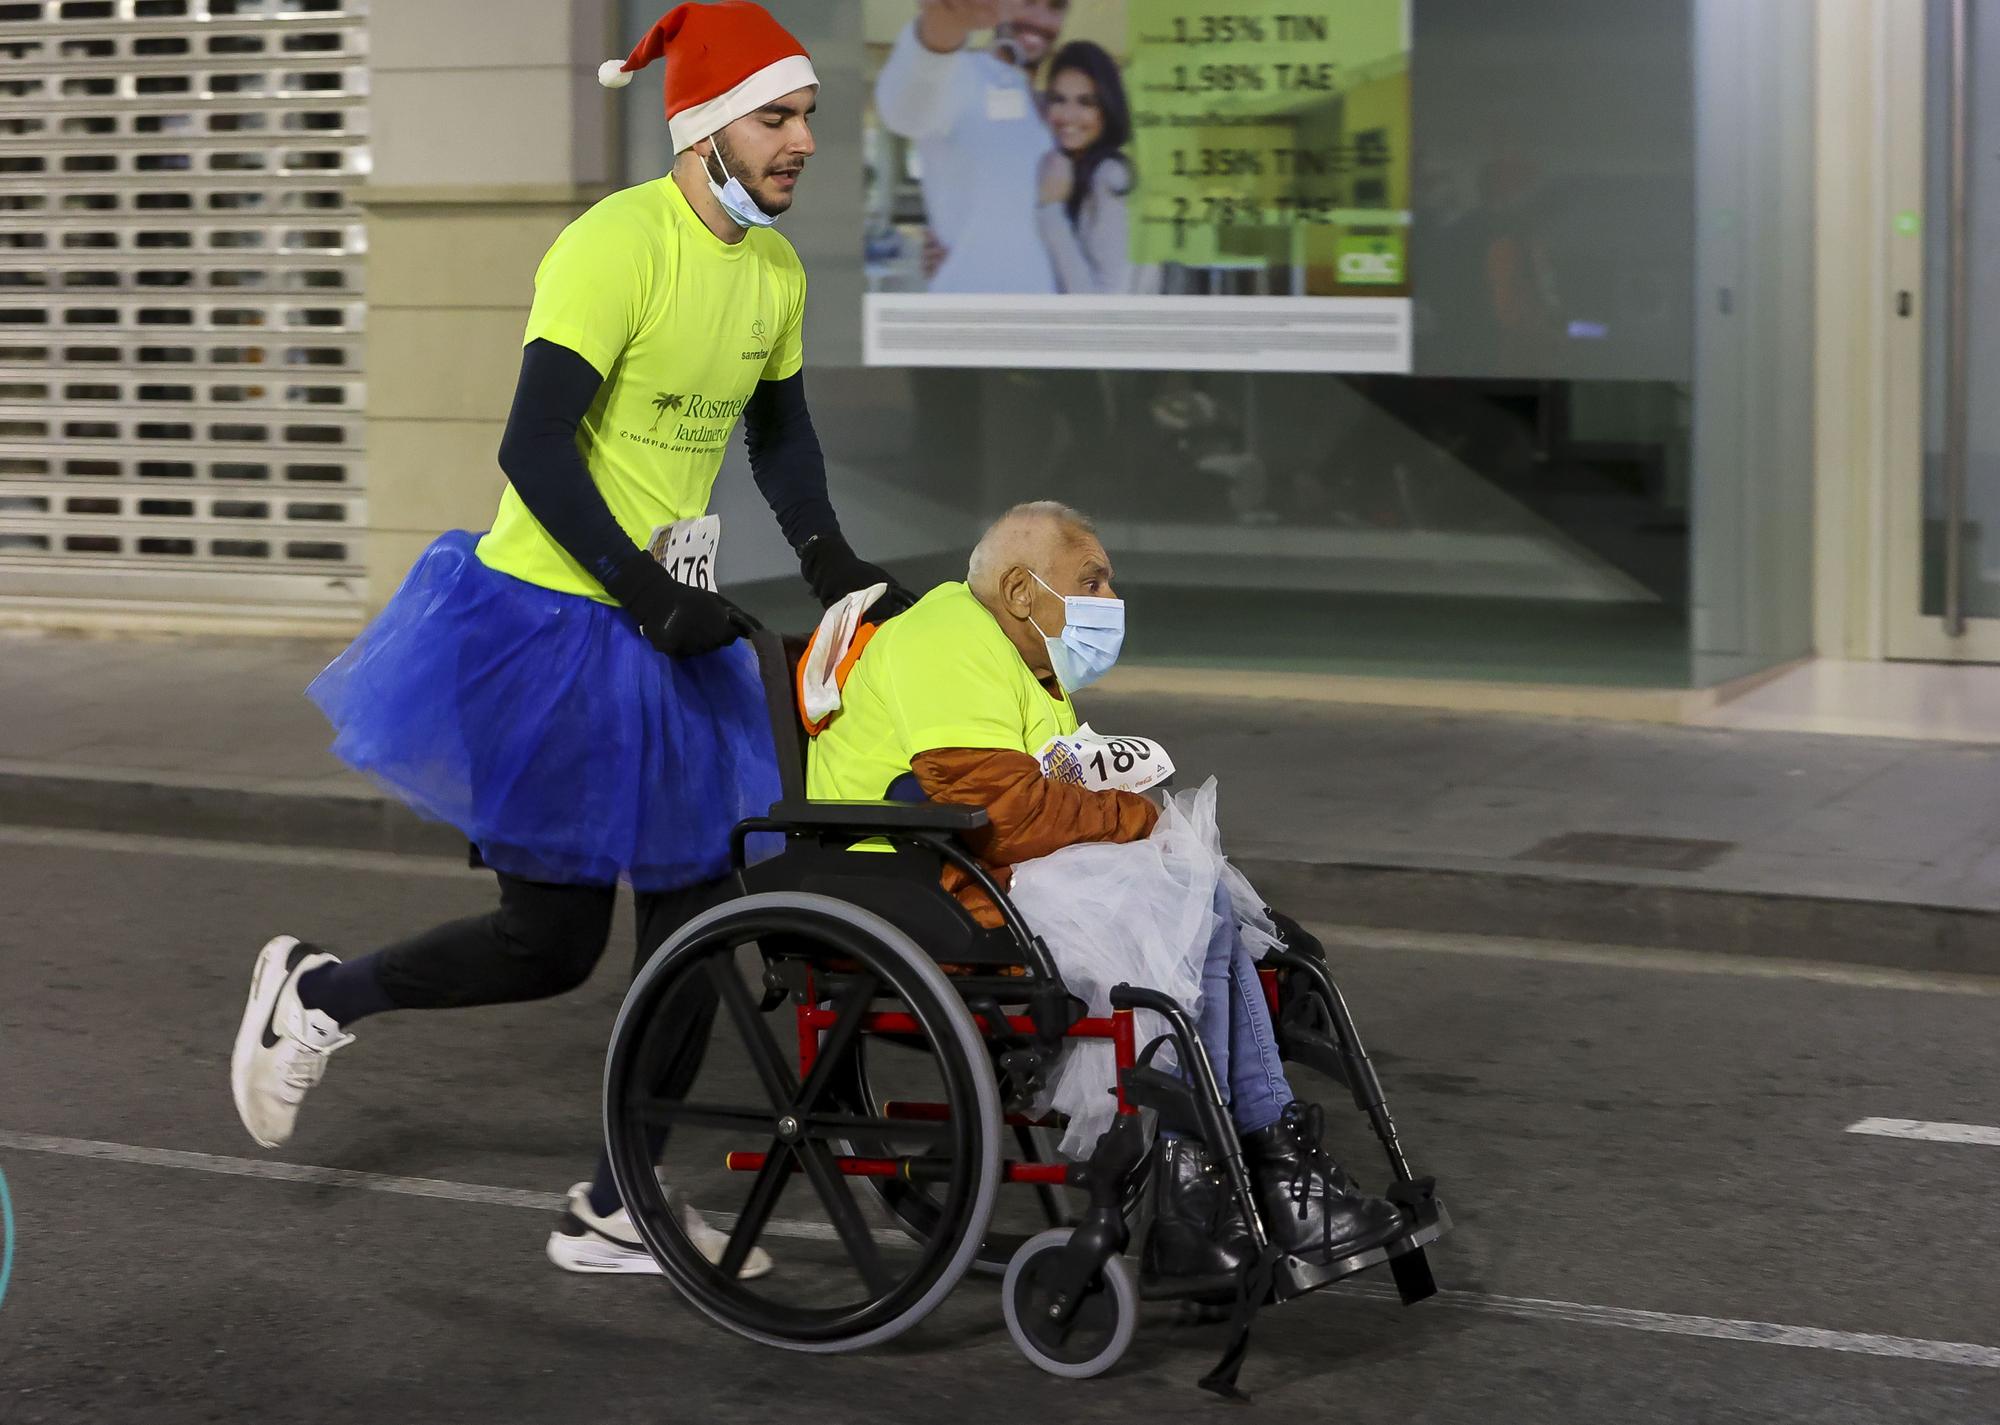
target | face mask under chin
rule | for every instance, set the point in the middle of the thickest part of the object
(733, 196)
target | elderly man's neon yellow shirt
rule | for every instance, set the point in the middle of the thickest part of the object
(942, 674)
(682, 326)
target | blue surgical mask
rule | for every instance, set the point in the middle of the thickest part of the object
(734, 197)
(1093, 632)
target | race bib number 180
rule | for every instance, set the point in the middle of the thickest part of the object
(1090, 759)
(687, 550)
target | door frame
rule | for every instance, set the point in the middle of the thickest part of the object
(1908, 632)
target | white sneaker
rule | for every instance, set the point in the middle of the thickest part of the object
(281, 1046)
(585, 1242)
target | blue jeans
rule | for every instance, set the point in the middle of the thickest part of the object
(1235, 1028)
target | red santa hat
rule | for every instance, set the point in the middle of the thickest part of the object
(724, 61)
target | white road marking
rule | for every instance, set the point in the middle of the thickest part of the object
(281, 1172)
(1720, 1328)
(274, 1171)
(1928, 1132)
(1629, 957)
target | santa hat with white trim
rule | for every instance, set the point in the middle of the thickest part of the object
(724, 61)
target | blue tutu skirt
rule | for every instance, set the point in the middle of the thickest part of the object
(544, 727)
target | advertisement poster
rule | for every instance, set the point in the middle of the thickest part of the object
(1139, 184)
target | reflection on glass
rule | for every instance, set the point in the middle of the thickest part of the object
(1521, 530)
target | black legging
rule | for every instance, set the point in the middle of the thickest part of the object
(543, 940)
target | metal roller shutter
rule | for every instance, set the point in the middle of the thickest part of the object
(181, 313)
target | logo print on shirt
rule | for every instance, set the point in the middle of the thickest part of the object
(701, 427)
(759, 336)
(663, 403)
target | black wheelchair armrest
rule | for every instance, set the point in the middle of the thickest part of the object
(879, 816)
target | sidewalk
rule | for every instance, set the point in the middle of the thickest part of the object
(1863, 849)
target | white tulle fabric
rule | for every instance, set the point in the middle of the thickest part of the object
(1139, 913)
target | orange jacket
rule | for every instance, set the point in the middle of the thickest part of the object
(1029, 814)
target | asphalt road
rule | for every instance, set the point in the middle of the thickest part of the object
(1661, 1215)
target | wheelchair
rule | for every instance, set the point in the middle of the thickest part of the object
(875, 1041)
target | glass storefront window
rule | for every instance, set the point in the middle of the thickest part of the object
(1546, 500)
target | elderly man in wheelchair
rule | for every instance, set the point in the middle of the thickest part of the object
(969, 873)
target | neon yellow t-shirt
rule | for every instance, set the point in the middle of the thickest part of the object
(940, 675)
(682, 326)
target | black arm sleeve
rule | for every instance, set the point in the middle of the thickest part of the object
(786, 461)
(539, 455)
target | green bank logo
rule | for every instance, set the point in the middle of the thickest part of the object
(1365, 260)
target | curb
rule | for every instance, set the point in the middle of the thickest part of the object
(337, 821)
(1896, 935)
(1442, 900)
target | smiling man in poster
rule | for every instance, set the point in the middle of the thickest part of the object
(980, 134)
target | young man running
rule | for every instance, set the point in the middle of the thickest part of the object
(583, 714)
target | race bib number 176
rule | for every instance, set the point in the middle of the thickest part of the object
(687, 550)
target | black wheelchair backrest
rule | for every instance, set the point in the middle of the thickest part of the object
(777, 661)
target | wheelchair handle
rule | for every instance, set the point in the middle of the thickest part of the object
(746, 623)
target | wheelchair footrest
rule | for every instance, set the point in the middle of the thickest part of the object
(1296, 1276)
(1414, 1197)
(1414, 1282)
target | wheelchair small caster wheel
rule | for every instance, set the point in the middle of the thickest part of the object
(1096, 1334)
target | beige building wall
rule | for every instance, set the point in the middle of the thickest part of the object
(490, 134)
(1869, 354)
(1850, 273)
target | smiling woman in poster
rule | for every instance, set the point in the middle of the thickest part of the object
(1085, 178)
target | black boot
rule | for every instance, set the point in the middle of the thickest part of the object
(1199, 1240)
(1311, 1208)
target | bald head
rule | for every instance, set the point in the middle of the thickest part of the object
(1029, 561)
(1026, 537)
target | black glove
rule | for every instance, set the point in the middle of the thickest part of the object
(677, 619)
(834, 570)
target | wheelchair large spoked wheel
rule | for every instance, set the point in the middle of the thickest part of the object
(764, 1149)
(873, 1081)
